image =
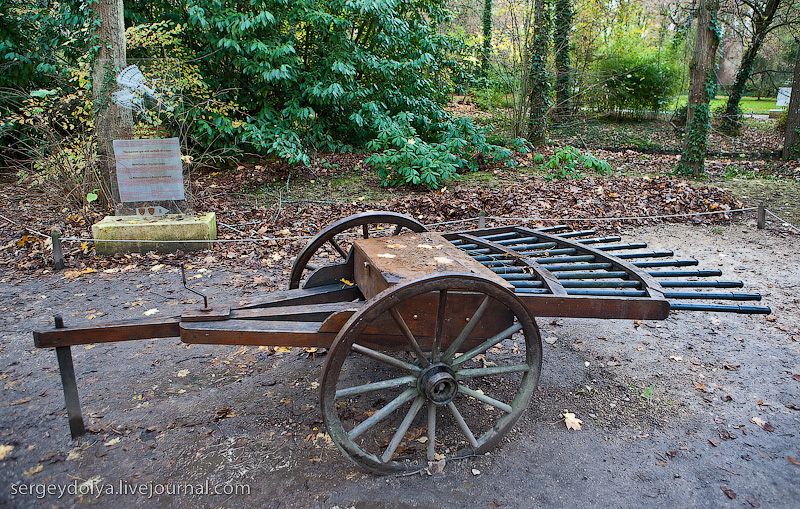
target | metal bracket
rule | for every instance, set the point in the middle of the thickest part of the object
(70, 386)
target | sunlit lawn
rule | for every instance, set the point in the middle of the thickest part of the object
(748, 104)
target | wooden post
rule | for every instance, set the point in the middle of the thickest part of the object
(761, 216)
(481, 220)
(70, 385)
(58, 254)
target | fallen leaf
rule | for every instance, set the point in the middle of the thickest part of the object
(763, 424)
(5, 450)
(728, 492)
(676, 358)
(475, 471)
(550, 340)
(182, 373)
(793, 460)
(572, 422)
(34, 470)
(224, 413)
(75, 454)
(114, 441)
(157, 267)
(20, 401)
(72, 274)
(150, 312)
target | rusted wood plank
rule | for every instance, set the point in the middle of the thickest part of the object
(317, 295)
(108, 332)
(305, 313)
(385, 261)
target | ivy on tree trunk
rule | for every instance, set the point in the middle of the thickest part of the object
(562, 29)
(702, 89)
(539, 80)
(762, 24)
(791, 140)
(486, 51)
(110, 121)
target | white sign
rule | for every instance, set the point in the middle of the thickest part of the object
(784, 95)
(149, 170)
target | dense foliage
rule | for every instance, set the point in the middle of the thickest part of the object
(287, 79)
(633, 77)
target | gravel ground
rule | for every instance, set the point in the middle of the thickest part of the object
(163, 412)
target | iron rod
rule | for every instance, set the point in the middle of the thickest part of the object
(666, 263)
(578, 233)
(721, 308)
(608, 293)
(686, 273)
(567, 259)
(526, 284)
(712, 295)
(578, 266)
(556, 228)
(601, 284)
(600, 240)
(531, 290)
(620, 247)
(591, 275)
(701, 284)
(647, 254)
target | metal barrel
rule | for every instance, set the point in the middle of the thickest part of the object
(686, 273)
(600, 240)
(600, 284)
(578, 266)
(526, 284)
(608, 293)
(517, 277)
(559, 251)
(578, 233)
(592, 275)
(620, 247)
(721, 308)
(565, 259)
(701, 284)
(507, 270)
(666, 263)
(647, 254)
(556, 228)
(712, 295)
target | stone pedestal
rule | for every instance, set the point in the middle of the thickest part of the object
(165, 234)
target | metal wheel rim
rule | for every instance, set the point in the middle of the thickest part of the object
(347, 223)
(342, 347)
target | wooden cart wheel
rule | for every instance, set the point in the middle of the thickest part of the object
(334, 236)
(372, 401)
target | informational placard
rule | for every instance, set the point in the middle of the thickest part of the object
(784, 95)
(149, 170)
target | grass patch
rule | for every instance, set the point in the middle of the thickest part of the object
(748, 104)
(777, 194)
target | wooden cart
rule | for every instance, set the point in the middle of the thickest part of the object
(415, 319)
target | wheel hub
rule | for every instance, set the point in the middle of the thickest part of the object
(438, 383)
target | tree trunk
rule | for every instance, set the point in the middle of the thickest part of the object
(486, 52)
(563, 27)
(539, 84)
(110, 121)
(762, 24)
(791, 140)
(702, 88)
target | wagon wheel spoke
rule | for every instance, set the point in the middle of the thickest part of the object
(493, 370)
(337, 247)
(462, 424)
(409, 336)
(505, 407)
(381, 439)
(497, 338)
(397, 229)
(386, 359)
(382, 414)
(440, 315)
(431, 446)
(467, 330)
(375, 386)
(365, 231)
(402, 429)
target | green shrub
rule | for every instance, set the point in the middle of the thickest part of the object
(570, 163)
(403, 157)
(634, 77)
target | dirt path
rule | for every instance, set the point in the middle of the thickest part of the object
(164, 412)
